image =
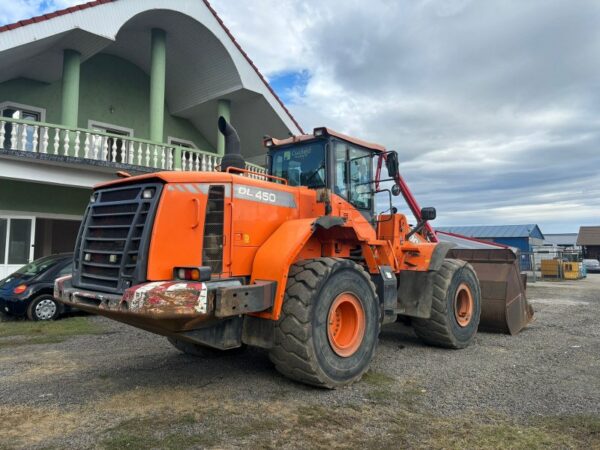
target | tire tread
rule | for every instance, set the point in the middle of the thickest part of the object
(436, 330)
(292, 352)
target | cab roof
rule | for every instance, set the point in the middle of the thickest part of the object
(321, 132)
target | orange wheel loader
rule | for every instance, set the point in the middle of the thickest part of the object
(295, 261)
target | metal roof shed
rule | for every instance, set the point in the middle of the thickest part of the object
(589, 239)
(523, 237)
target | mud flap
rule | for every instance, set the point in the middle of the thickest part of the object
(504, 306)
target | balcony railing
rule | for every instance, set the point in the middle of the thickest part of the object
(57, 140)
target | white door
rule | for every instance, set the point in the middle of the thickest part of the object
(17, 234)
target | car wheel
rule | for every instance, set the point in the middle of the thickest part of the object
(42, 308)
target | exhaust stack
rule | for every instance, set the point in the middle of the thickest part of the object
(233, 152)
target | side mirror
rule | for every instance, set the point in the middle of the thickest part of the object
(395, 190)
(428, 213)
(391, 162)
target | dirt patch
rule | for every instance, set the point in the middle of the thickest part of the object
(186, 418)
(24, 426)
(130, 389)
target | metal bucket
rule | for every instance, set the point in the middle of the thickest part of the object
(504, 306)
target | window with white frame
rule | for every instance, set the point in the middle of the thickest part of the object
(20, 136)
(188, 157)
(181, 143)
(117, 150)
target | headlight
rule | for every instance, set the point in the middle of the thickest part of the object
(20, 289)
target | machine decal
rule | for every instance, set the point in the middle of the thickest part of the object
(197, 188)
(262, 195)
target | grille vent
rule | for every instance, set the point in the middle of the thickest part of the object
(112, 246)
(212, 249)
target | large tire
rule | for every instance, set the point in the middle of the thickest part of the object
(202, 351)
(455, 307)
(329, 325)
(43, 308)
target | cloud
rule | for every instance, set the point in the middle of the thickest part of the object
(14, 10)
(493, 106)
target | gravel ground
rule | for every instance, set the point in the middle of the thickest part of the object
(83, 392)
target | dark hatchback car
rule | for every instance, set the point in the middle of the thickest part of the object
(29, 290)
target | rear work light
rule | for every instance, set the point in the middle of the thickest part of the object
(148, 193)
(20, 289)
(201, 273)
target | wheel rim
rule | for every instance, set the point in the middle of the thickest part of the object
(45, 309)
(346, 324)
(463, 305)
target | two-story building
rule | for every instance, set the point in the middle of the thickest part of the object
(133, 85)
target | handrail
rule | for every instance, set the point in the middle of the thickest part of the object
(260, 174)
(99, 133)
(60, 140)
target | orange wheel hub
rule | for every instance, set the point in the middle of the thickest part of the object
(463, 305)
(346, 324)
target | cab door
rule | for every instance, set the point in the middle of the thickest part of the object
(354, 176)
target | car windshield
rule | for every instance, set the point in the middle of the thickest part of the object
(301, 165)
(38, 266)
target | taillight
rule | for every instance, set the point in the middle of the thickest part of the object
(192, 273)
(20, 289)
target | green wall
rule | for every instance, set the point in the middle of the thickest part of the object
(34, 93)
(42, 198)
(108, 83)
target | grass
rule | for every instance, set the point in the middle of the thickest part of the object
(27, 333)
(377, 379)
(208, 418)
(387, 412)
(496, 432)
(156, 432)
(205, 428)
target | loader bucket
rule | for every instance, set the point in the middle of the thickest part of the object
(504, 306)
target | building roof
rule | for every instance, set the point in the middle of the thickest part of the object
(496, 231)
(27, 54)
(589, 236)
(60, 12)
(568, 239)
(465, 241)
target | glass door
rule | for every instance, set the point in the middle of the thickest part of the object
(16, 239)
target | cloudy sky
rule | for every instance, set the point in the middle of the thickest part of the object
(493, 106)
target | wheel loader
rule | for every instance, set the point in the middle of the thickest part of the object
(295, 261)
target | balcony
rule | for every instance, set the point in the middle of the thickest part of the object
(94, 149)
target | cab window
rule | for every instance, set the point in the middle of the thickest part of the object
(353, 174)
(301, 165)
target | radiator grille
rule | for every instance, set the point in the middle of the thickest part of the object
(212, 248)
(112, 246)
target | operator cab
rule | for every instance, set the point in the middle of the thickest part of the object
(327, 159)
